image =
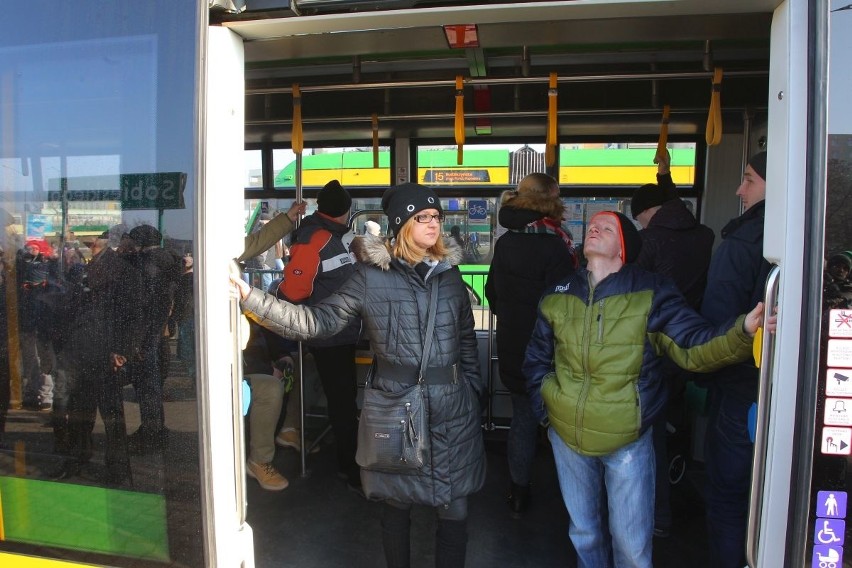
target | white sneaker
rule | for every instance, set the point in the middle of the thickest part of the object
(267, 476)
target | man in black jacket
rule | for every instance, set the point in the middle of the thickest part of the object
(320, 262)
(676, 245)
(735, 282)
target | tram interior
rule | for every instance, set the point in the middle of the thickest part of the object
(616, 73)
(378, 71)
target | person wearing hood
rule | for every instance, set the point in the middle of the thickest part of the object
(320, 262)
(161, 270)
(593, 368)
(532, 255)
(676, 245)
(735, 283)
(390, 291)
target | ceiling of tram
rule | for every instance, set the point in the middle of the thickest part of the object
(615, 73)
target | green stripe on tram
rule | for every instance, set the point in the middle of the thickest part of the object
(622, 157)
(472, 158)
(80, 517)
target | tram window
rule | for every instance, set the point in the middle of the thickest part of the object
(622, 164)
(253, 169)
(99, 431)
(351, 166)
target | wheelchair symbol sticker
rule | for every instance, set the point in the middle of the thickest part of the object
(829, 531)
(827, 557)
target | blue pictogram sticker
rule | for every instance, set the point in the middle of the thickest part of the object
(827, 557)
(831, 504)
(829, 531)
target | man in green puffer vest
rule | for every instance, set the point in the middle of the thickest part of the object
(593, 368)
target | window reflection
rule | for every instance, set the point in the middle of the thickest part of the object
(98, 413)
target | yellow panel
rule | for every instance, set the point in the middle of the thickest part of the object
(347, 177)
(19, 561)
(626, 175)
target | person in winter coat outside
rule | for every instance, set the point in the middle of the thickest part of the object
(675, 245)
(390, 291)
(532, 255)
(593, 368)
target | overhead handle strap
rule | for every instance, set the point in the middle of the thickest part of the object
(713, 134)
(550, 146)
(459, 125)
(297, 140)
(664, 135)
(375, 140)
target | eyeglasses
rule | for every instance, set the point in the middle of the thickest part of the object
(424, 218)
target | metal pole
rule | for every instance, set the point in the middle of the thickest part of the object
(63, 196)
(303, 449)
(492, 81)
(512, 114)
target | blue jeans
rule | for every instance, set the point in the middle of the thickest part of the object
(521, 444)
(727, 453)
(628, 476)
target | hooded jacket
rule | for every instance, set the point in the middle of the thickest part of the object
(676, 245)
(593, 362)
(735, 284)
(392, 299)
(525, 264)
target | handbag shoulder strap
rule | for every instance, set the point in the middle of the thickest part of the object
(430, 328)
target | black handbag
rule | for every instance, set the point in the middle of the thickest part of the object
(393, 431)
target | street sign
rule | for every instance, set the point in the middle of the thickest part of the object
(38, 225)
(163, 190)
(477, 209)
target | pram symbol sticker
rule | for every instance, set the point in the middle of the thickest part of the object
(836, 441)
(838, 382)
(829, 531)
(827, 557)
(831, 504)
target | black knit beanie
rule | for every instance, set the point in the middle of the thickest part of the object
(333, 200)
(758, 164)
(647, 196)
(146, 236)
(401, 202)
(631, 242)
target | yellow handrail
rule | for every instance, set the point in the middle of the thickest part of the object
(459, 125)
(664, 134)
(375, 140)
(550, 146)
(297, 140)
(713, 135)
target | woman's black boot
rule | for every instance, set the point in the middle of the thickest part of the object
(451, 544)
(519, 499)
(396, 536)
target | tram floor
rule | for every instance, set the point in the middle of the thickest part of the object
(318, 522)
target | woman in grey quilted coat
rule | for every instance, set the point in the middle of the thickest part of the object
(390, 292)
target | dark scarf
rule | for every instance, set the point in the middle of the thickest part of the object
(545, 225)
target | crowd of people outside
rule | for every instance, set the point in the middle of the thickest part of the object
(93, 316)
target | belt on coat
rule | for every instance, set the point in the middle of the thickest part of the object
(408, 374)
